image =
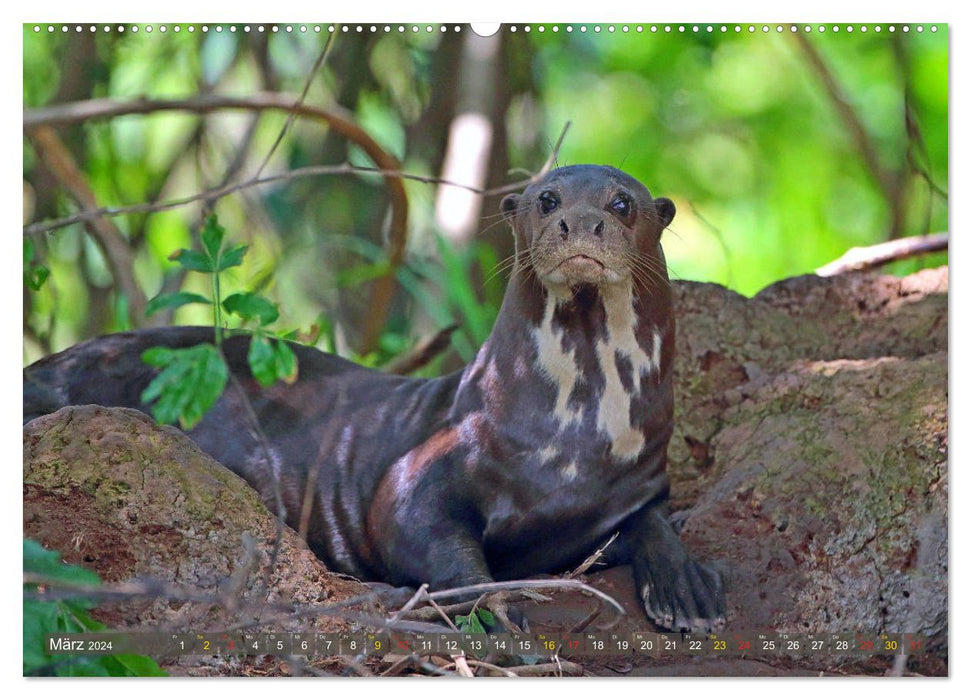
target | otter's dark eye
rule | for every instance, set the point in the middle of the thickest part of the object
(620, 205)
(548, 201)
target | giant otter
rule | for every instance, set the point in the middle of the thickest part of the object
(552, 439)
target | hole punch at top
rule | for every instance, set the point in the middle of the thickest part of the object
(485, 28)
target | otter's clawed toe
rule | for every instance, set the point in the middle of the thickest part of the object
(689, 597)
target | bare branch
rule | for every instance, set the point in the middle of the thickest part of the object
(388, 167)
(849, 116)
(892, 183)
(868, 257)
(110, 240)
(224, 190)
(342, 123)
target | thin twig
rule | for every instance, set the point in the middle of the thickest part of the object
(582, 624)
(593, 558)
(405, 662)
(553, 156)
(441, 613)
(300, 100)
(412, 602)
(869, 257)
(233, 592)
(720, 237)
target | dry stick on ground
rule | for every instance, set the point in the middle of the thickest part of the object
(160, 590)
(868, 257)
(563, 668)
(110, 240)
(462, 666)
(495, 586)
(282, 612)
(593, 558)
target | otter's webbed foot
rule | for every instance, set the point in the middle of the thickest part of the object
(680, 596)
(678, 593)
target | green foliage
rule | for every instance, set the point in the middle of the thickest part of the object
(34, 274)
(251, 307)
(43, 617)
(214, 257)
(475, 621)
(270, 360)
(174, 301)
(192, 379)
(190, 383)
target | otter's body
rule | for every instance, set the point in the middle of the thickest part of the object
(552, 439)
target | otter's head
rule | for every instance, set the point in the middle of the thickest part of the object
(588, 224)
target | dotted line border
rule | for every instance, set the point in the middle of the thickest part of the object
(513, 28)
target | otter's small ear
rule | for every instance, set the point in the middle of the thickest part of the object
(665, 210)
(509, 204)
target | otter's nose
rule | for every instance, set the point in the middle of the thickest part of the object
(585, 224)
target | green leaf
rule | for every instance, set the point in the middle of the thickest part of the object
(251, 307)
(158, 356)
(193, 260)
(286, 362)
(212, 237)
(43, 617)
(469, 624)
(48, 564)
(231, 258)
(190, 383)
(270, 360)
(174, 301)
(35, 276)
(487, 617)
(262, 360)
(132, 665)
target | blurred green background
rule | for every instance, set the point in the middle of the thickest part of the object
(759, 138)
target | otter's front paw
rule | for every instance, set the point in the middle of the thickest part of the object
(681, 595)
